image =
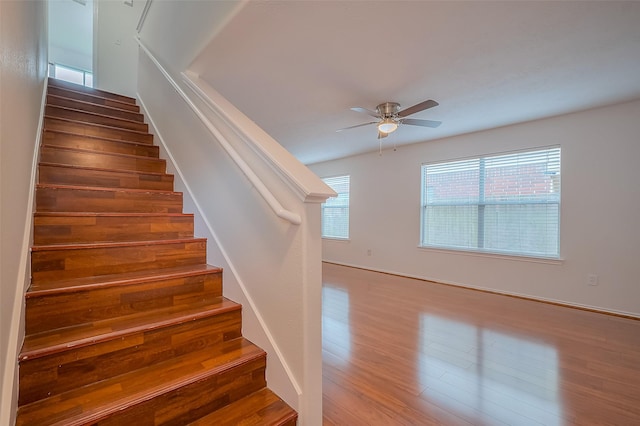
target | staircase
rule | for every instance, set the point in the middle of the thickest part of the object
(125, 321)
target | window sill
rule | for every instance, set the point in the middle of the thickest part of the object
(492, 255)
(344, 240)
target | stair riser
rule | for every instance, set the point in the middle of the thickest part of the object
(53, 111)
(95, 108)
(85, 97)
(52, 123)
(66, 140)
(54, 374)
(102, 160)
(89, 90)
(104, 179)
(43, 312)
(63, 264)
(187, 404)
(91, 229)
(80, 200)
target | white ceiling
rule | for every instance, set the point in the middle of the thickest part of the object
(296, 67)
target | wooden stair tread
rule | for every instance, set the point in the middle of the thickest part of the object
(126, 278)
(103, 153)
(92, 98)
(97, 138)
(110, 214)
(93, 114)
(81, 103)
(98, 188)
(112, 244)
(85, 116)
(90, 90)
(101, 169)
(259, 408)
(96, 401)
(96, 125)
(59, 340)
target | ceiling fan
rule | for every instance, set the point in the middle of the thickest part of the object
(389, 117)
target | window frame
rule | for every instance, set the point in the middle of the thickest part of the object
(329, 204)
(481, 203)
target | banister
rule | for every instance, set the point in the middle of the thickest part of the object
(271, 200)
(143, 15)
(298, 177)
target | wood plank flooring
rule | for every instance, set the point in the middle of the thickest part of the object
(399, 351)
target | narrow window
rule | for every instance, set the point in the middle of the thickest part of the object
(507, 203)
(335, 211)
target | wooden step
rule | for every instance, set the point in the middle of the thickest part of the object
(58, 198)
(70, 140)
(65, 262)
(97, 130)
(87, 97)
(174, 392)
(59, 360)
(260, 408)
(53, 82)
(69, 228)
(106, 178)
(90, 117)
(91, 299)
(108, 111)
(102, 160)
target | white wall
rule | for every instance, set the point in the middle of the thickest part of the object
(23, 59)
(116, 50)
(272, 267)
(176, 31)
(71, 33)
(600, 209)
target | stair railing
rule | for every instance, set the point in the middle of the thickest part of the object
(143, 15)
(278, 209)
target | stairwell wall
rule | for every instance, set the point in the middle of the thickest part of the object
(23, 59)
(271, 267)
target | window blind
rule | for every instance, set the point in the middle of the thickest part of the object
(506, 203)
(335, 211)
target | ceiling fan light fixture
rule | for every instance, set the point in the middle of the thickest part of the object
(387, 125)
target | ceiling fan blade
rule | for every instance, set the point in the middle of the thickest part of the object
(366, 111)
(382, 134)
(357, 125)
(417, 108)
(423, 123)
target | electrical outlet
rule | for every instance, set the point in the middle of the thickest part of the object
(592, 279)
(369, 252)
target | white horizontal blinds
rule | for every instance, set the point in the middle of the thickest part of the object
(335, 211)
(506, 203)
(451, 211)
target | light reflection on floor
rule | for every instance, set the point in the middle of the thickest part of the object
(336, 332)
(481, 371)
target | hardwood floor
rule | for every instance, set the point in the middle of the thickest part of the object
(399, 351)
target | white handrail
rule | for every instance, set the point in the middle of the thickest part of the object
(143, 15)
(275, 205)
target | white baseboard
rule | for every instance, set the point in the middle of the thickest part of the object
(563, 303)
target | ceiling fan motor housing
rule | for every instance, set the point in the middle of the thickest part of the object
(388, 109)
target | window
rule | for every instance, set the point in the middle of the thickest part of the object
(335, 211)
(73, 75)
(508, 203)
